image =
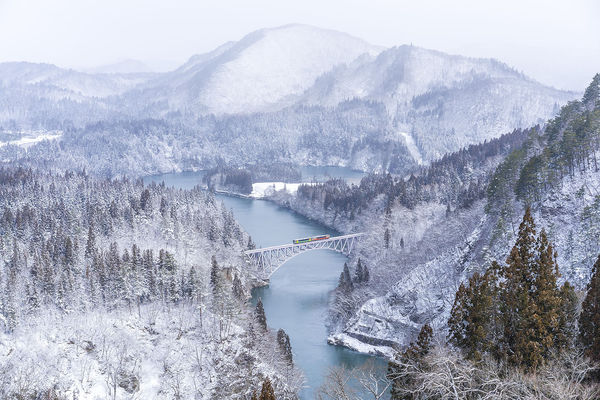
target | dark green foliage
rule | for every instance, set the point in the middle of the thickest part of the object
(214, 274)
(250, 245)
(285, 346)
(58, 235)
(361, 274)
(413, 356)
(502, 182)
(568, 144)
(238, 288)
(589, 320)
(516, 312)
(442, 179)
(146, 201)
(568, 323)
(473, 319)
(591, 97)
(239, 180)
(386, 238)
(259, 315)
(267, 392)
(345, 284)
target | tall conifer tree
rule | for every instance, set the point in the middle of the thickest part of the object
(259, 312)
(589, 320)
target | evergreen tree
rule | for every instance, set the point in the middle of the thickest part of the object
(284, 345)
(250, 334)
(238, 288)
(267, 392)
(359, 273)
(589, 320)
(547, 298)
(471, 324)
(345, 284)
(519, 340)
(250, 245)
(193, 285)
(163, 207)
(516, 312)
(386, 238)
(591, 97)
(402, 383)
(90, 246)
(214, 275)
(347, 279)
(366, 275)
(260, 316)
(568, 318)
(145, 201)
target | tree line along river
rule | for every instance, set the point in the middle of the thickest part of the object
(297, 296)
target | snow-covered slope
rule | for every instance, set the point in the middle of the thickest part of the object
(296, 89)
(52, 82)
(261, 70)
(445, 101)
(398, 74)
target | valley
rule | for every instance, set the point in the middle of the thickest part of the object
(129, 200)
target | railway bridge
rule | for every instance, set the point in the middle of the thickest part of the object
(269, 259)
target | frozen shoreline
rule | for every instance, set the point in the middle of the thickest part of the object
(261, 190)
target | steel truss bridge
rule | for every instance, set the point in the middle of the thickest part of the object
(268, 259)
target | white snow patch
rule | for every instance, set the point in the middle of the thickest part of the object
(412, 147)
(260, 190)
(28, 139)
(356, 345)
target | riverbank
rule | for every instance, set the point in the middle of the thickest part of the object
(298, 295)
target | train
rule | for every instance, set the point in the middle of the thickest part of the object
(310, 239)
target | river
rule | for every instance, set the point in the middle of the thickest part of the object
(298, 293)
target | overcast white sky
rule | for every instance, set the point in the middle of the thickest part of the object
(556, 42)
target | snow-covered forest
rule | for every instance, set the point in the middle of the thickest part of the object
(348, 104)
(431, 230)
(111, 289)
(478, 275)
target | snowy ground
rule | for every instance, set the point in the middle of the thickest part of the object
(260, 190)
(177, 352)
(412, 147)
(29, 138)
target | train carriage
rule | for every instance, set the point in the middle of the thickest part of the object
(310, 239)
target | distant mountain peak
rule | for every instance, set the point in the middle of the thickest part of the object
(127, 66)
(262, 70)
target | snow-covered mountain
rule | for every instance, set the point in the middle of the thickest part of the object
(262, 70)
(397, 75)
(51, 82)
(296, 82)
(429, 233)
(440, 101)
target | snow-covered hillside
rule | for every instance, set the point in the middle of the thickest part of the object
(444, 101)
(260, 71)
(432, 231)
(113, 289)
(294, 93)
(54, 83)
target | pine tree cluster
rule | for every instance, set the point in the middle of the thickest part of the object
(59, 242)
(443, 179)
(516, 312)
